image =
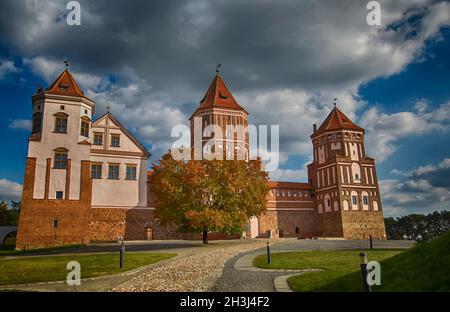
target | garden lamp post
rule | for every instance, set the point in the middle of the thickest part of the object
(363, 266)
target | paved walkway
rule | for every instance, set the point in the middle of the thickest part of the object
(240, 275)
(219, 266)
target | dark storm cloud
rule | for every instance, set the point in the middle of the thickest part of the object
(176, 44)
(276, 55)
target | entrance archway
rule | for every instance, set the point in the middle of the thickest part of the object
(149, 233)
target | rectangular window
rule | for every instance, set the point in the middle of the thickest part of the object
(37, 123)
(354, 200)
(115, 140)
(113, 172)
(84, 128)
(55, 223)
(98, 139)
(61, 124)
(59, 195)
(96, 171)
(131, 172)
(60, 160)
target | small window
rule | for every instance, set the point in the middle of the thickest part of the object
(60, 159)
(356, 176)
(355, 200)
(86, 111)
(59, 195)
(55, 223)
(61, 123)
(98, 139)
(131, 172)
(115, 140)
(84, 128)
(62, 107)
(113, 172)
(37, 123)
(96, 171)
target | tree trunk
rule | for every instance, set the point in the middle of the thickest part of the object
(205, 236)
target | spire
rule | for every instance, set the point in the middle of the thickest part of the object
(336, 120)
(65, 84)
(218, 95)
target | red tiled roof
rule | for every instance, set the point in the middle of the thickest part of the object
(336, 120)
(65, 84)
(218, 95)
(289, 185)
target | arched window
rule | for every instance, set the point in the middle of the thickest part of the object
(61, 122)
(60, 160)
(355, 200)
(37, 123)
(365, 199)
(345, 204)
(327, 203)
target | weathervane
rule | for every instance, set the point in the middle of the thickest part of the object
(217, 68)
(67, 63)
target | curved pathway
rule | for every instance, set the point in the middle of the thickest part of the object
(240, 275)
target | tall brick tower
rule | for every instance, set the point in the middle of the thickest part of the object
(344, 181)
(56, 199)
(209, 134)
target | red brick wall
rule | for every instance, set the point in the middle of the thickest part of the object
(36, 215)
(285, 223)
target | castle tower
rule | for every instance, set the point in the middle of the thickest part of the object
(344, 181)
(56, 198)
(219, 125)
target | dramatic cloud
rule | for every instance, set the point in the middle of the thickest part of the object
(284, 60)
(21, 124)
(384, 130)
(10, 190)
(7, 67)
(423, 189)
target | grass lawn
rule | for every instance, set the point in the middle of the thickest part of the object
(425, 267)
(335, 265)
(53, 268)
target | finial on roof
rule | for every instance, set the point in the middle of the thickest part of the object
(108, 108)
(335, 102)
(217, 68)
(66, 62)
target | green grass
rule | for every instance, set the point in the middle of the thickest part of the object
(335, 264)
(425, 267)
(53, 268)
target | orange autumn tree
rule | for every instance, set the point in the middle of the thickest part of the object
(209, 195)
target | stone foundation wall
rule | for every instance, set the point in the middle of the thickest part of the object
(330, 224)
(286, 222)
(362, 224)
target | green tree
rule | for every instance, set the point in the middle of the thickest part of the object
(209, 195)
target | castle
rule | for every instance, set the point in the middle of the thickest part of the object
(87, 180)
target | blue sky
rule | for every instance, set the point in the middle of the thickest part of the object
(153, 65)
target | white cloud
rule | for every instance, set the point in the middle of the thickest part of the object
(300, 175)
(21, 124)
(384, 130)
(50, 70)
(7, 67)
(420, 190)
(10, 190)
